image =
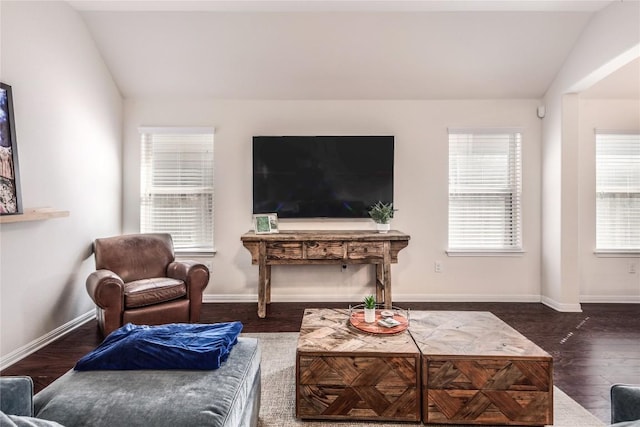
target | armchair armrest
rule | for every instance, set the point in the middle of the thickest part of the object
(16, 395)
(194, 274)
(106, 289)
(196, 278)
(625, 403)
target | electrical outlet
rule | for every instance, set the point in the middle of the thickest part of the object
(633, 268)
(437, 267)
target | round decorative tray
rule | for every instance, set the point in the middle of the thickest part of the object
(382, 325)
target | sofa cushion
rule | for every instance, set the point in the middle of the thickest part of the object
(172, 346)
(145, 292)
(157, 398)
(24, 421)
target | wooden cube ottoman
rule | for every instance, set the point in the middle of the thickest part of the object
(344, 374)
(476, 369)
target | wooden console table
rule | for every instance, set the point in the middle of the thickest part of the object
(324, 247)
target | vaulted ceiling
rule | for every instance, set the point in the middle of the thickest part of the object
(339, 49)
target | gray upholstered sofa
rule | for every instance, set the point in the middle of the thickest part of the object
(225, 397)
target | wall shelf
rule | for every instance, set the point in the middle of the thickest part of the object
(34, 214)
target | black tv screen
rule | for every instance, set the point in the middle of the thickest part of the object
(321, 176)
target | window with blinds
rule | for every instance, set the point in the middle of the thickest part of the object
(485, 175)
(176, 186)
(617, 191)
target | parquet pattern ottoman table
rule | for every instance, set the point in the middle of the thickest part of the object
(476, 369)
(449, 367)
(342, 373)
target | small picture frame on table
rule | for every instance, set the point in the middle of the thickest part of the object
(265, 223)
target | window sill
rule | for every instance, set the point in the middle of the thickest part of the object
(617, 253)
(197, 254)
(484, 253)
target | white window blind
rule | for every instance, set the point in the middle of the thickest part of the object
(177, 186)
(617, 191)
(485, 174)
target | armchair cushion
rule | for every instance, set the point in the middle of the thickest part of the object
(140, 293)
(173, 346)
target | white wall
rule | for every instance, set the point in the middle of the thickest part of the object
(610, 41)
(421, 192)
(68, 124)
(602, 279)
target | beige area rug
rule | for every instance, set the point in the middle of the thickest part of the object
(277, 407)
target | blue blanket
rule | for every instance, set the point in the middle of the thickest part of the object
(173, 346)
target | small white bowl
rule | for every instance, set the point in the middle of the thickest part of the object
(386, 313)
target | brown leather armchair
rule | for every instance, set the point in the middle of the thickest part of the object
(138, 281)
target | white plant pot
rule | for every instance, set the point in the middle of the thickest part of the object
(369, 315)
(383, 228)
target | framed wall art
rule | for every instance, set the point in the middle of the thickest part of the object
(265, 223)
(10, 198)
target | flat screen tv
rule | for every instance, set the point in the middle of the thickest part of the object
(321, 176)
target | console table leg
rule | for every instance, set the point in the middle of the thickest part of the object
(264, 272)
(379, 283)
(386, 274)
(268, 284)
(262, 294)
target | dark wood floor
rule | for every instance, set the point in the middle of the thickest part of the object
(591, 350)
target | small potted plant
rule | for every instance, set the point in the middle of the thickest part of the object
(370, 309)
(381, 213)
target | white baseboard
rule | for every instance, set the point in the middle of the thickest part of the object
(611, 299)
(465, 298)
(562, 307)
(558, 306)
(48, 338)
(230, 298)
(603, 299)
(396, 297)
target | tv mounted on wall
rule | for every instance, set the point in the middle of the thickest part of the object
(321, 176)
